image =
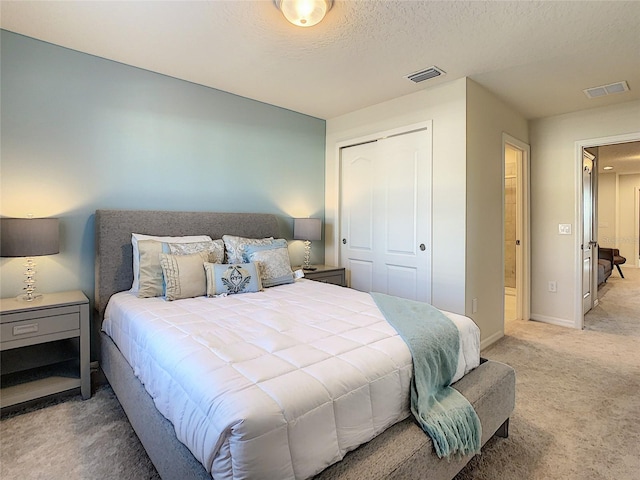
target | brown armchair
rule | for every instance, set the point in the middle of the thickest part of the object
(614, 254)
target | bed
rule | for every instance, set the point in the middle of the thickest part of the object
(401, 451)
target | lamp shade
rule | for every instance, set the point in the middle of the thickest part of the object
(29, 237)
(307, 229)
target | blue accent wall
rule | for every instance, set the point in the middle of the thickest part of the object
(81, 133)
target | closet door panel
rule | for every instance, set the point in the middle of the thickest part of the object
(386, 215)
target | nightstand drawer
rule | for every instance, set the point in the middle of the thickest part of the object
(335, 279)
(327, 274)
(36, 327)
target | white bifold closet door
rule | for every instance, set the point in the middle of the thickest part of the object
(385, 230)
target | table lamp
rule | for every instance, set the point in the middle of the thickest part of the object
(307, 229)
(29, 237)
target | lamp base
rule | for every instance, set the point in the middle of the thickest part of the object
(25, 297)
(310, 268)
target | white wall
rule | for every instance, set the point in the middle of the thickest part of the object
(468, 123)
(607, 188)
(554, 171)
(487, 119)
(627, 234)
(445, 105)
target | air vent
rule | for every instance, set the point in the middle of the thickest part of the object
(604, 90)
(426, 74)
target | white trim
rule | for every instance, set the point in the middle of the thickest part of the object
(580, 145)
(491, 340)
(563, 322)
(636, 251)
(523, 299)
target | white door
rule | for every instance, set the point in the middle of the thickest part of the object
(386, 215)
(589, 265)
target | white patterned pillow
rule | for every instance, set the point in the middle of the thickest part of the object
(235, 246)
(273, 261)
(184, 275)
(215, 249)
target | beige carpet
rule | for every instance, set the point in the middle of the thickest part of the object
(577, 410)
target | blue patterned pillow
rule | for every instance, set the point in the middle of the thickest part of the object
(273, 262)
(232, 278)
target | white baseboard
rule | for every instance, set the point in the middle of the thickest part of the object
(563, 322)
(491, 340)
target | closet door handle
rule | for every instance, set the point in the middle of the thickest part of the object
(344, 241)
(422, 247)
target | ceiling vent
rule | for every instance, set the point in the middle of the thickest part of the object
(422, 75)
(604, 90)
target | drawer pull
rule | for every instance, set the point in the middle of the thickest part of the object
(22, 329)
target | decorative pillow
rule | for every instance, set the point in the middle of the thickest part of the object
(235, 246)
(232, 279)
(184, 275)
(273, 262)
(136, 255)
(150, 279)
(215, 249)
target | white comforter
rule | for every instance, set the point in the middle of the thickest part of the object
(278, 384)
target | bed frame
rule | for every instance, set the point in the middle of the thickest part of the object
(402, 451)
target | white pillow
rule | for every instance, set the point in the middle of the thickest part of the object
(136, 254)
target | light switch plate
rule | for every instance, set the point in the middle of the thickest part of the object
(564, 228)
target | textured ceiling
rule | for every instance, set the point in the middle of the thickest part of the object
(623, 157)
(536, 56)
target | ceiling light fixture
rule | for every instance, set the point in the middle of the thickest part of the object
(304, 13)
(607, 168)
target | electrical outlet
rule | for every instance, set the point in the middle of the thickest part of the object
(564, 228)
(553, 286)
(474, 305)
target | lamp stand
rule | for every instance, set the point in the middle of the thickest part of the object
(307, 257)
(30, 281)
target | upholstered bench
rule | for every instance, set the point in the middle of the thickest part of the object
(406, 452)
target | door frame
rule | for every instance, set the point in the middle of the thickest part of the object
(636, 253)
(580, 145)
(523, 254)
(593, 272)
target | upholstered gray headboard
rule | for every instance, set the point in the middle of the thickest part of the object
(114, 254)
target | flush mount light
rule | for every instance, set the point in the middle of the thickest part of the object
(607, 168)
(304, 13)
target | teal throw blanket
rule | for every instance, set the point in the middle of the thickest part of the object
(433, 339)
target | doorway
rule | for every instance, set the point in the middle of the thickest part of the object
(608, 231)
(516, 229)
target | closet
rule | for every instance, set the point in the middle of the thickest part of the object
(385, 214)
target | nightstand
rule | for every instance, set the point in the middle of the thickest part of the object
(44, 347)
(327, 274)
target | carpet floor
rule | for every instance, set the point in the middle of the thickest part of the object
(577, 412)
